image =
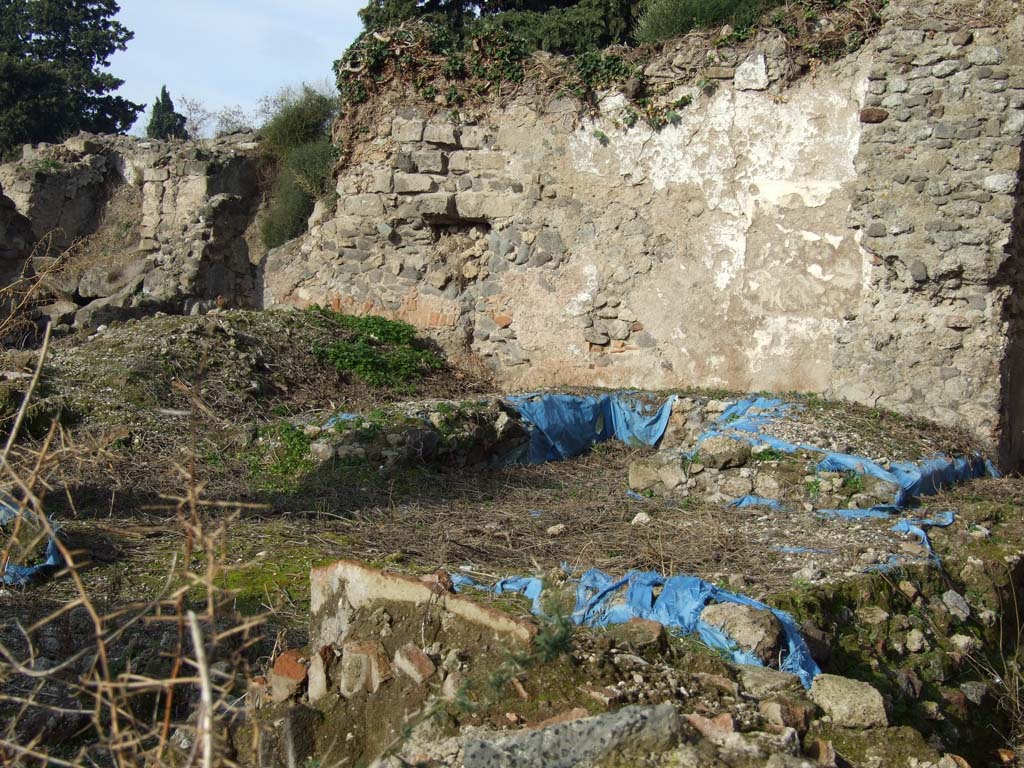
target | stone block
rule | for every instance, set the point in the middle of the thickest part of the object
(414, 663)
(318, 685)
(763, 681)
(433, 205)
(406, 131)
(430, 161)
(473, 137)
(754, 630)
(721, 73)
(788, 712)
(287, 676)
(484, 206)
(458, 162)
(873, 115)
(156, 174)
(414, 183)
(624, 737)
(850, 703)
(752, 74)
(363, 205)
(488, 161)
(724, 452)
(364, 666)
(643, 474)
(1000, 183)
(444, 134)
(84, 145)
(381, 182)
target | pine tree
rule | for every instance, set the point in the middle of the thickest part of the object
(165, 123)
(53, 54)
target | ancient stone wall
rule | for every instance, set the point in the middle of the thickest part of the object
(583, 252)
(937, 205)
(857, 231)
(139, 225)
(849, 232)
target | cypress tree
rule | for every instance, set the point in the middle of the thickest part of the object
(165, 123)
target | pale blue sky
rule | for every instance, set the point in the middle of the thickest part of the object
(227, 52)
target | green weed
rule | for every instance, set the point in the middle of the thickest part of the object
(381, 352)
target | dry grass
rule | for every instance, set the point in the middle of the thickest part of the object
(94, 703)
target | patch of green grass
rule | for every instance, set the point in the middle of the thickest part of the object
(382, 353)
(814, 488)
(281, 457)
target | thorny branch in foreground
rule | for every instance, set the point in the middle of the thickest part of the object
(154, 682)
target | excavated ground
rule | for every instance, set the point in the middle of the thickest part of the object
(126, 396)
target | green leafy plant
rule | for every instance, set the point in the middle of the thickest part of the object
(661, 19)
(281, 457)
(302, 155)
(380, 352)
(853, 482)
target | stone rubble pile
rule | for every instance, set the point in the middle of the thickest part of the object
(385, 647)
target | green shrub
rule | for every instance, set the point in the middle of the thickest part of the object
(296, 137)
(289, 210)
(661, 19)
(305, 118)
(381, 352)
(309, 165)
(588, 25)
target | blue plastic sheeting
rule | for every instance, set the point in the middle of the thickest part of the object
(743, 421)
(564, 426)
(914, 480)
(919, 528)
(601, 600)
(339, 418)
(755, 501)
(879, 513)
(528, 586)
(23, 575)
(802, 550)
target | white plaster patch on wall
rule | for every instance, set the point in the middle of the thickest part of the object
(727, 241)
(866, 267)
(785, 336)
(580, 303)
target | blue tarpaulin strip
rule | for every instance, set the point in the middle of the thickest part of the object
(755, 501)
(564, 426)
(601, 600)
(22, 575)
(743, 421)
(913, 480)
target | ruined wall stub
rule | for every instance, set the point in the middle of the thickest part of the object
(187, 240)
(938, 206)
